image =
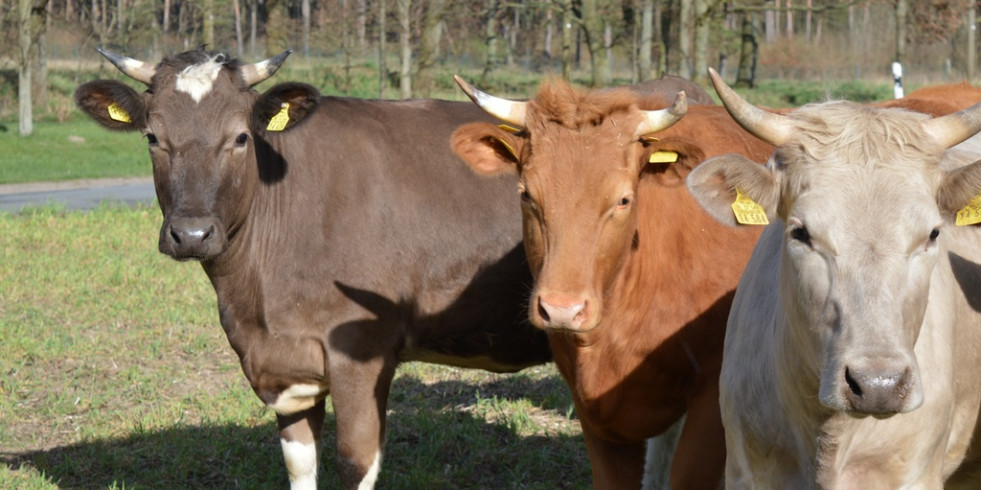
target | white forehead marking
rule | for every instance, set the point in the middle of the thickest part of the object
(197, 80)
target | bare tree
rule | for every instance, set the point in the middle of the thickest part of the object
(405, 39)
(32, 20)
(490, 41)
(428, 46)
(382, 53)
(593, 28)
(646, 38)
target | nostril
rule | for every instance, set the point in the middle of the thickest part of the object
(542, 312)
(852, 384)
(208, 233)
(175, 236)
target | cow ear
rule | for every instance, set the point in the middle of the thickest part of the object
(669, 161)
(112, 104)
(957, 190)
(284, 106)
(715, 182)
(487, 148)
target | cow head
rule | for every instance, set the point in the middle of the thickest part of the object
(863, 202)
(203, 124)
(576, 236)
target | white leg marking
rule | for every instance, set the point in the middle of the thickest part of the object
(660, 454)
(297, 397)
(301, 464)
(368, 482)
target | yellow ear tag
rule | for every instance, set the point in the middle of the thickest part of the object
(506, 145)
(663, 157)
(279, 121)
(747, 211)
(117, 113)
(510, 129)
(970, 214)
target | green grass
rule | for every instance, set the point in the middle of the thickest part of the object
(78, 149)
(114, 373)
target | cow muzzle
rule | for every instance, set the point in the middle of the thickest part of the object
(192, 238)
(572, 313)
(877, 388)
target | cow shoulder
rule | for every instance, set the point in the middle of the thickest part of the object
(112, 104)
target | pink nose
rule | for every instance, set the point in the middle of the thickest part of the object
(562, 312)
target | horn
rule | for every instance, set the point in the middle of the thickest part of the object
(767, 126)
(257, 72)
(662, 119)
(508, 111)
(140, 71)
(954, 128)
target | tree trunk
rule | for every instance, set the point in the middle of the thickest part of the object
(593, 27)
(490, 41)
(253, 26)
(549, 27)
(362, 21)
(746, 73)
(305, 13)
(902, 7)
(567, 40)
(382, 43)
(208, 23)
(646, 39)
(405, 38)
(426, 53)
(703, 22)
(684, 39)
(25, 110)
(236, 9)
(31, 23)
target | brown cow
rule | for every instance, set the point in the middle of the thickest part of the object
(633, 279)
(342, 236)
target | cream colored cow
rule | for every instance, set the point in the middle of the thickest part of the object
(851, 356)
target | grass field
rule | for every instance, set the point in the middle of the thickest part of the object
(114, 373)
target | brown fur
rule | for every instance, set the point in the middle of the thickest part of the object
(651, 350)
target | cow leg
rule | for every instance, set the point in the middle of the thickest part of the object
(660, 454)
(299, 434)
(699, 461)
(614, 465)
(360, 397)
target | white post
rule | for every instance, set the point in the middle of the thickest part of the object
(897, 77)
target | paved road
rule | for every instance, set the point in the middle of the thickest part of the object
(77, 194)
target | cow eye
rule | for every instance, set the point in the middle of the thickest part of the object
(151, 139)
(624, 202)
(241, 139)
(801, 234)
(934, 234)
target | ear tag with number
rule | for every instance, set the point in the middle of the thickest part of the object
(279, 121)
(970, 214)
(663, 157)
(117, 113)
(747, 211)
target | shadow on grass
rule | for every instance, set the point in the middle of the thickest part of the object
(438, 437)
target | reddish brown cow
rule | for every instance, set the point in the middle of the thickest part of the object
(633, 279)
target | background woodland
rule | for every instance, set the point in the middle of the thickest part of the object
(407, 48)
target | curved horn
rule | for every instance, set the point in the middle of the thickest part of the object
(508, 111)
(767, 126)
(257, 72)
(954, 128)
(662, 119)
(140, 71)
